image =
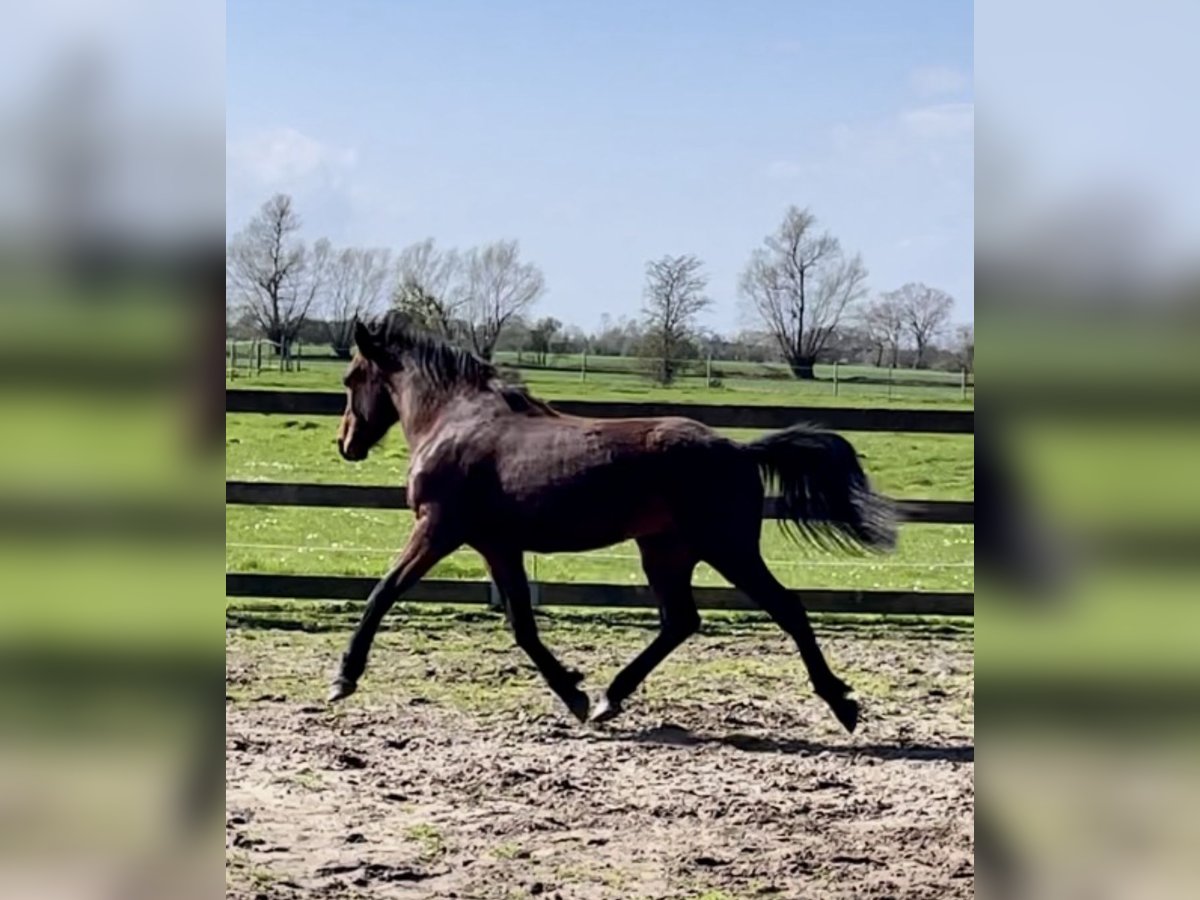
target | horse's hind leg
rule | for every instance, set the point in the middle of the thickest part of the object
(749, 573)
(508, 571)
(668, 562)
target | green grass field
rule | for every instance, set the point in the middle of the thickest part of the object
(361, 542)
(737, 390)
(574, 363)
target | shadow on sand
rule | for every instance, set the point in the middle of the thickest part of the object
(678, 736)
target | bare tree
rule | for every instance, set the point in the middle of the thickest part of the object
(272, 275)
(429, 287)
(541, 337)
(497, 287)
(964, 345)
(358, 281)
(926, 311)
(674, 296)
(800, 284)
(885, 324)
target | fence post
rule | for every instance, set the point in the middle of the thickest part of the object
(708, 370)
(258, 345)
(891, 377)
(835, 378)
(232, 360)
(583, 366)
(299, 353)
(964, 382)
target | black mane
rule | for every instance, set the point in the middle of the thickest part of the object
(446, 366)
(442, 363)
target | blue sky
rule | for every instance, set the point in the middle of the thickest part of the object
(603, 135)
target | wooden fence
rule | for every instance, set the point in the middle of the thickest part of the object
(265, 585)
(273, 493)
(839, 418)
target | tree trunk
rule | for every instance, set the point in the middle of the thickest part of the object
(802, 367)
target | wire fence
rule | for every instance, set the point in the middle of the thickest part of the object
(621, 557)
(248, 358)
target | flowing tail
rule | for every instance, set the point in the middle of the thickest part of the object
(825, 496)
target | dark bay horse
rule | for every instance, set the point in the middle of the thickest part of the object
(498, 470)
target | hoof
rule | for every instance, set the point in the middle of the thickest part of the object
(846, 710)
(578, 703)
(340, 690)
(606, 711)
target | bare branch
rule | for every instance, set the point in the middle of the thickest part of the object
(357, 283)
(925, 311)
(430, 287)
(674, 296)
(884, 324)
(800, 284)
(271, 275)
(498, 287)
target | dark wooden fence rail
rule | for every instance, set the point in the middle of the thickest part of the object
(333, 587)
(628, 596)
(933, 421)
(272, 493)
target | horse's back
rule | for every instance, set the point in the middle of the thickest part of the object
(573, 484)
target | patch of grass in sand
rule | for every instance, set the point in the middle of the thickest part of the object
(430, 839)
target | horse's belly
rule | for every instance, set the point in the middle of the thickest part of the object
(558, 531)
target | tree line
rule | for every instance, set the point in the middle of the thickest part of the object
(807, 296)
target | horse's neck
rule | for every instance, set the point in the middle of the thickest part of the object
(422, 407)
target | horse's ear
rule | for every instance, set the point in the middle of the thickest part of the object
(366, 340)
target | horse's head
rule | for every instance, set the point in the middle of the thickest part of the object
(370, 409)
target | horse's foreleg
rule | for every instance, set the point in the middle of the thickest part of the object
(668, 564)
(508, 571)
(426, 545)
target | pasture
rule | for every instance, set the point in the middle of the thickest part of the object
(618, 378)
(453, 772)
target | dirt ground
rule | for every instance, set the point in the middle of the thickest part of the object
(453, 773)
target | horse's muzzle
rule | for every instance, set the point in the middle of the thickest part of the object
(349, 453)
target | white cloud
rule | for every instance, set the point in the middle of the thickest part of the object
(282, 157)
(938, 81)
(942, 121)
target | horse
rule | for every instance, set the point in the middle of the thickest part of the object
(500, 471)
